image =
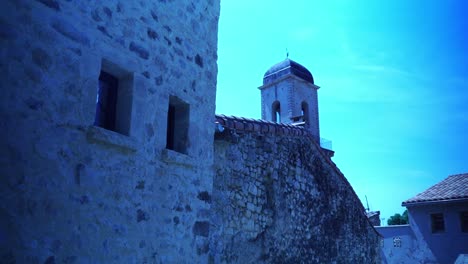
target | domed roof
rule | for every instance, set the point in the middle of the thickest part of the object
(285, 67)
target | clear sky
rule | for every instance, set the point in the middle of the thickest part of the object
(393, 78)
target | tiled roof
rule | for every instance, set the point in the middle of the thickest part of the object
(258, 125)
(455, 187)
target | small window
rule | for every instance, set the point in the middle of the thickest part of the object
(177, 125)
(276, 112)
(305, 112)
(106, 101)
(396, 242)
(464, 221)
(437, 223)
(114, 99)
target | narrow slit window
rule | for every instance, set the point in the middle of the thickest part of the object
(177, 125)
(106, 101)
(437, 223)
(170, 127)
(305, 112)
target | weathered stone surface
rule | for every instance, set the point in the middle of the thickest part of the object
(6, 31)
(50, 260)
(279, 199)
(138, 49)
(152, 34)
(41, 58)
(201, 228)
(199, 60)
(76, 193)
(142, 215)
(65, 28)
(51, 3)
(204, 196)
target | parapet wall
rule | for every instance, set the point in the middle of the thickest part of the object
(73, 192)
(277, 198)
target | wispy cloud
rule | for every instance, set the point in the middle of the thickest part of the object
(382, 69)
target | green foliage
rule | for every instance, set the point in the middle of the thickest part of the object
(398, 219)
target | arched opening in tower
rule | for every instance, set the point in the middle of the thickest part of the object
(276, 112)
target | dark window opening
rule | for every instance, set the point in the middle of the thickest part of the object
(437, 223)
(305, 112)
(276, 112)
(177, 125)
(464, 221)
(170, 127)
(106, 101)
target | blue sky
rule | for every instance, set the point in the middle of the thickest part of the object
(393, 78)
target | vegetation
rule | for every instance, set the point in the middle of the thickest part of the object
(398, 219)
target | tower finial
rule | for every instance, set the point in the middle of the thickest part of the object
(287, 53)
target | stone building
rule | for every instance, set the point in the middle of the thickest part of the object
(108, 156)
(76, 189)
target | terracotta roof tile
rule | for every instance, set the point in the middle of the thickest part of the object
(454, 187)
(258, 125)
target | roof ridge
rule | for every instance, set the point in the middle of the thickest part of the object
(259, 125)
(452, 188)
(459, 174)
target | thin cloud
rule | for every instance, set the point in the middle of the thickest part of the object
(381, 69)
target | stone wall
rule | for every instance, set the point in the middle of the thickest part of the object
(277, 198)
(76, 193)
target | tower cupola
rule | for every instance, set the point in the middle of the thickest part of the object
(289, 95)
(284, 68)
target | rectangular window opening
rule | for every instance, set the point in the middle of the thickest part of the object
(106, 101)
(114, 98)
(437, 223)
(464, 221)
(177, 125)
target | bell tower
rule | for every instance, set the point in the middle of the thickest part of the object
(289, 96)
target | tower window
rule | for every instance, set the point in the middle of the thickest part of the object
(464, 221)
(276, 112)
(305, 112)
(114, 99)
(437, 223)
(177, 125)
(106, 101)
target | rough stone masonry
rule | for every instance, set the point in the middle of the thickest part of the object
(278, 198)
(74, 192)
(153, 187)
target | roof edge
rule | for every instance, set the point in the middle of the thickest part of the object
(443, 201)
